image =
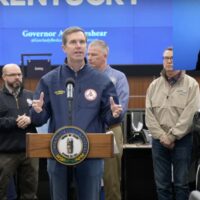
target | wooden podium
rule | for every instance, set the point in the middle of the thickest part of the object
(38, 145)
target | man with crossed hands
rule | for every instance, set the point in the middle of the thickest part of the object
(15, 122)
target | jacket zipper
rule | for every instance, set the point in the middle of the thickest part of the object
(74, 99)
(17, 102)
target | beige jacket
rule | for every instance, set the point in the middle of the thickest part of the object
(170, 110)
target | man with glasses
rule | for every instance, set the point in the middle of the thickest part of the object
(171, 101)
(14, 124)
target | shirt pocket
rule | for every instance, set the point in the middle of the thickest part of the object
(158, 102)
(179, 99)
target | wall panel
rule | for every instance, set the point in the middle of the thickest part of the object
(138, 87)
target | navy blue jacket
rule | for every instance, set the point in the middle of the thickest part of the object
(89, 114)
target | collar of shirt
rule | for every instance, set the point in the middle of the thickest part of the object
(73, 68)
(15, 92)
(108, 67)
(173, 79)
(66, 63)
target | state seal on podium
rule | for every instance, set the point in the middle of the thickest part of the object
(69, 145)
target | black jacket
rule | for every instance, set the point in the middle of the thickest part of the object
(12, 138)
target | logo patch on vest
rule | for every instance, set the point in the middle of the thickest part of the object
(90, 94)
(59, 92)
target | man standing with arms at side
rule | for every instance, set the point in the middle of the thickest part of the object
(14, 124)
(92, 108)
(171, 101)
(97, 58)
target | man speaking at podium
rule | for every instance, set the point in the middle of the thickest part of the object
(92, 108)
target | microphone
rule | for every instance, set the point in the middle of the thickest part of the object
(70, 88)
(70, 94)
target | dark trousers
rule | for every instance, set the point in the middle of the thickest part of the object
(165, 160)
(11, 191)
(27, 175)
(87, 174)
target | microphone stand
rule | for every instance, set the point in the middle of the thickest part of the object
(72, 192)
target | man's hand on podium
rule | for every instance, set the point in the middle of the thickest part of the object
(38, 104)
(116, 108)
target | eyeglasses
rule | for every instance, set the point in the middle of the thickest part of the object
(168, 58)
(14, 74)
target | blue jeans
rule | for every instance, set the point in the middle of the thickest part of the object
(163, 160)
(11, 192)
(88, 176)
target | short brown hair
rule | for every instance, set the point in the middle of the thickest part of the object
(169, 49)
(70, 30)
